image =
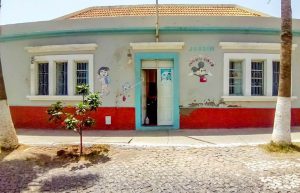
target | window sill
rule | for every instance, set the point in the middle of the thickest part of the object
(54, 98)
(252, 98)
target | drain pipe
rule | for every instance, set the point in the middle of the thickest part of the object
(156, 25)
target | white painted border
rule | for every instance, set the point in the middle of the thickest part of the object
(252, 98)
(252, 46)
(54, 98)
(247, 58)
(282, 122)
(52, 59)
(62, 48)
(157, 46)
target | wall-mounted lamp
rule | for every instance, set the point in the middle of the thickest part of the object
(129, 56)
(32, 59)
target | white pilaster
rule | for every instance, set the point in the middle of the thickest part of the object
(269, 77)
(91, 72)
(226, 75)
(247, 76)
(33, 78)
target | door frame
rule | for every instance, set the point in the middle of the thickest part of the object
(138, 58)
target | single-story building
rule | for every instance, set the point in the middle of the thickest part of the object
(193, 67)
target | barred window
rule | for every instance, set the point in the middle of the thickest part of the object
(56, 76)
(82, 73)
(236, 78)
(43, 79)
(61, 78)
(257, 78)
(276, 70)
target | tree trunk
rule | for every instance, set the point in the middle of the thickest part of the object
(8, 137)
(282, 122)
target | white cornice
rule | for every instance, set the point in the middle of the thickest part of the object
(157, 46)
(62, 48)
(251, 46)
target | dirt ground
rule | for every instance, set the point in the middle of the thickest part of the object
(63, 153)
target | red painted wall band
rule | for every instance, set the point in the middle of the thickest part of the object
(37, 118)
(124, 118)
(232, 118)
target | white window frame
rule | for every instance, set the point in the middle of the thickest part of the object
(72, 60)
(247, 58)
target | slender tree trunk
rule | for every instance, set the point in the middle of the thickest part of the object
(8, 137)
(282, 122)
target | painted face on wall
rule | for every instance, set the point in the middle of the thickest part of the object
(103, 73)
(199, 67)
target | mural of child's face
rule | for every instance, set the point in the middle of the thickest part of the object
(103, 73)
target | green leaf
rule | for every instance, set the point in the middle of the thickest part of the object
(81, 108)
(55, 111)
(93, 100)
(71, 123)
(83, 89)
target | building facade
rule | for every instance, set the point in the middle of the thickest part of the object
(213, 66)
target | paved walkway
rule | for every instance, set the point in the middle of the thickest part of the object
(244, 169)
(157, 169)
(188, 138)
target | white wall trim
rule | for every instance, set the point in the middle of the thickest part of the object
(54, 98)
(252, 46)
(157, 46)
(252, 98)
(62, 48)
(33, 78)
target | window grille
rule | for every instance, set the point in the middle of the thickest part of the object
(257, 78)
(62, 78)
(82, 73)
(276, 70)
(236, 78)
(43, 79)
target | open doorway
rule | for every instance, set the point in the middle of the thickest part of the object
(166, 90)
(157, 93)
(150, 97)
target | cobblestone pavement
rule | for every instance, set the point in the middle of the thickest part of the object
(226, 169)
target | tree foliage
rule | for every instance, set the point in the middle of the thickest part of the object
(79, 118)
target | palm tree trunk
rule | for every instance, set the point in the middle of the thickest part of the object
(8, 137)
(282, 122)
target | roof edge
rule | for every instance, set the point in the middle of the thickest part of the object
(253, 11)
(161, 5)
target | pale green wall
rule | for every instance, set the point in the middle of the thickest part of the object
(112, 52)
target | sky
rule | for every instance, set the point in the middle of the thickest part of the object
(21, 11)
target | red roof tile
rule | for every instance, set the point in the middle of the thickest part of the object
(164, 10)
